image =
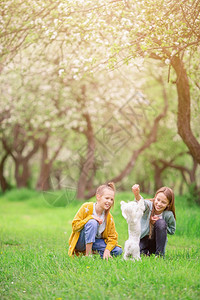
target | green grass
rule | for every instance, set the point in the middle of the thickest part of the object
(34, 263)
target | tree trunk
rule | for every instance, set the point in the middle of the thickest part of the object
(184, 114)
(181, 187)
(193, 171)
(89, 162)
(58, 175)
(4, 184)
(157, 177)
(43, 183)
(145, 185)
(22, 173)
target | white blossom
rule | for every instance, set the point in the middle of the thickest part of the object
(167, 61)
(60, 72)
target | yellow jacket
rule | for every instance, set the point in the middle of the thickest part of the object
(83, 215)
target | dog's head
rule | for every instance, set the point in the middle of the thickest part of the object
(132, 211)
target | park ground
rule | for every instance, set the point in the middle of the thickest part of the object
(34, 263)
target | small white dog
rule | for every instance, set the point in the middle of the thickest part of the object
(132, 212)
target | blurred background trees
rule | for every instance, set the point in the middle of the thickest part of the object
(99, 91)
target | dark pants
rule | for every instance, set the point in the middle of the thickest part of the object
(155, 245)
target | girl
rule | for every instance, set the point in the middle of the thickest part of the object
(93, 228)
(158, 220)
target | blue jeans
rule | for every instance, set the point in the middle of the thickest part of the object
(158, 241)
(88, 235)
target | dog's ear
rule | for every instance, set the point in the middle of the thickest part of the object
(124, 215)
(123, 209)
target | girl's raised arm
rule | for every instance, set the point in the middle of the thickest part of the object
(136, 191)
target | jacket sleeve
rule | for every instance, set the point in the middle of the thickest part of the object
(148, 205)
(112, 235)
(171, 224)
(81, 218)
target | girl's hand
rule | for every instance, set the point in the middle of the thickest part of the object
(136, 191)
(97, 219)
(154, 219)
(106, 254)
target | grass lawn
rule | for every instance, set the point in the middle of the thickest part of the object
(34, 263)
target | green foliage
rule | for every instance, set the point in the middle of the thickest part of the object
(193, 195)
(34, 263)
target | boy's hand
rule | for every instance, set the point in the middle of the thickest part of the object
(136, 191)
(97, 219)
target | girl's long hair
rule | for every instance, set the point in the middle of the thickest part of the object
(171, 206)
